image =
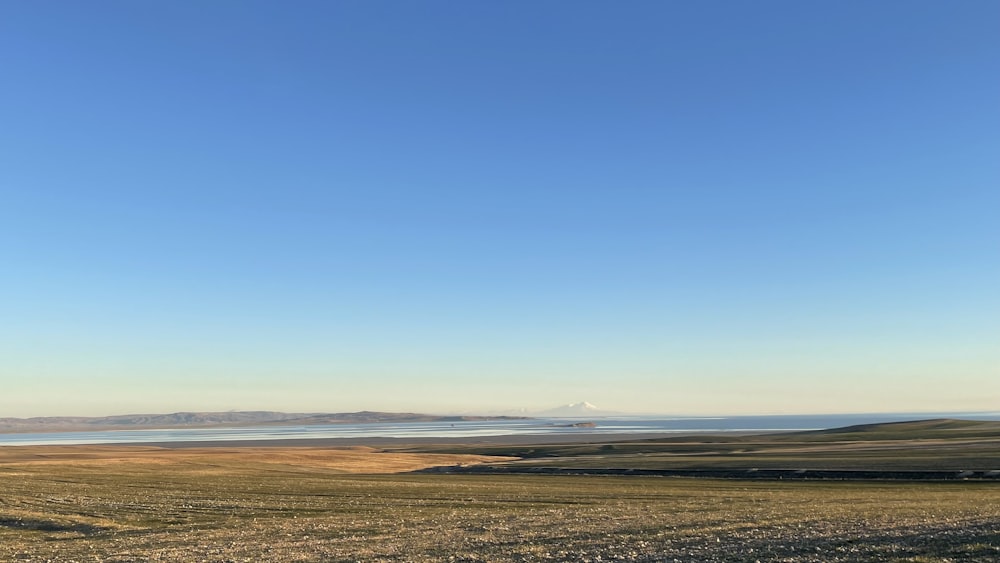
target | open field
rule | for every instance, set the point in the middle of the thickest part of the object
(349, 459)
(280, 503)
(935, 445)
(207, 511)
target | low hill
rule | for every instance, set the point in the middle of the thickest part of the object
(171, 420)
(940, 428)
(924, 446)
(371, 417)
(215, 419)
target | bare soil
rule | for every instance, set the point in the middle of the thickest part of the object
(119, 504)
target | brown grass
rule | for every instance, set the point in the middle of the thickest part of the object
(140, 503)
(354, 459)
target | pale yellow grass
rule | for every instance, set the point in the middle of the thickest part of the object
(356, 459)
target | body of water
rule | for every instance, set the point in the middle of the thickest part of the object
(473, 429)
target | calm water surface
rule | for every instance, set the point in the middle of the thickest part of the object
(472, 429)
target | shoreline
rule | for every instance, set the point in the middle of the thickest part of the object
(379, 441)
(493, 440)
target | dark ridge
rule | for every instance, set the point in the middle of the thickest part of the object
(751, 473)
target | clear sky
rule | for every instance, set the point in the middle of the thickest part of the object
(688, 207)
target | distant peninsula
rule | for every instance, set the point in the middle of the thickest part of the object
(220, 419)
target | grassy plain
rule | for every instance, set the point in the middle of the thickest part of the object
(930, 445)
(123, 504)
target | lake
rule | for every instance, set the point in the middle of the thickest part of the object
(473, 429)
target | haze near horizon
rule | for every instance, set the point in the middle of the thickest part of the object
(686, 208)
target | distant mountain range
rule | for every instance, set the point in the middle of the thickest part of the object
(217, 419)
(257, 418)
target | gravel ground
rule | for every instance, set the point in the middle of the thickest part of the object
(229, 515)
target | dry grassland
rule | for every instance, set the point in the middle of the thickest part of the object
(308, 504)
(351, 459)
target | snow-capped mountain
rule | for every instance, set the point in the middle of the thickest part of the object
(575, 410)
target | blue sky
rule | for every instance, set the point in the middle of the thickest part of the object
(677, 207)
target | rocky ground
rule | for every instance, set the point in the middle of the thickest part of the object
(198, 510)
